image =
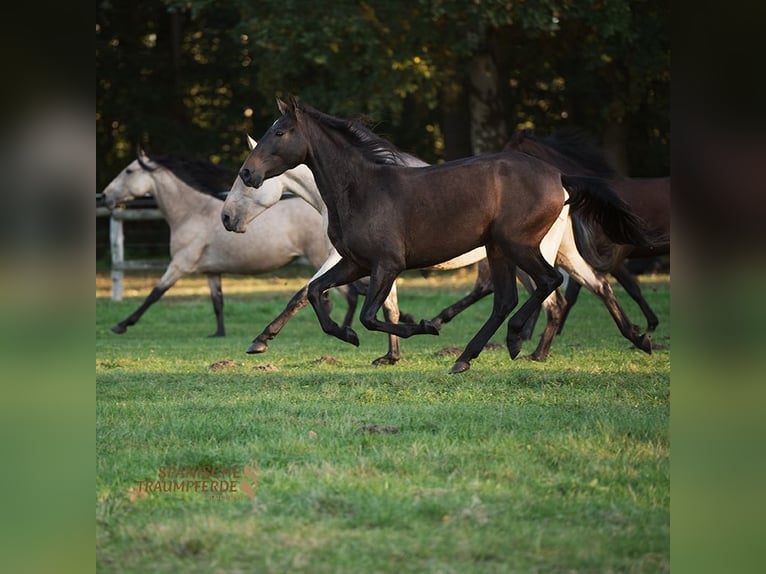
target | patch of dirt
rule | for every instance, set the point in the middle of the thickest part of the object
(447, 351)
(223, 364)
(327, 359)
(493, 347)
(267, 367)
(379, 429)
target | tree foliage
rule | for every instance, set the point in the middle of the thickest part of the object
(193, 77)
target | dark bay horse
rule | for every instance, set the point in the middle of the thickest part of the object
(384, 219)
(574, 153)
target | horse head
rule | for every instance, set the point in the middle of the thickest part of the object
(244, 203)
(281, 148)
(132, 182)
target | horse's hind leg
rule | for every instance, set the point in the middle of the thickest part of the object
(506, 297)
(481, 288)
(529, 326)
(630, 283)
(261, 343)
(571, 294)
(555, 308)
(216, 296)
(168, 279)
(546, 279)
(583, 273)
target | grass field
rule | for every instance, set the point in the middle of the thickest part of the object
(513, 466)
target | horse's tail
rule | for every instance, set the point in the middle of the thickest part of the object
(597, 211)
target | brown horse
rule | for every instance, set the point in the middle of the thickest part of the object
(573, 153)
(384, 219)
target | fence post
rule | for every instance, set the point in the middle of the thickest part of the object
(117, 242)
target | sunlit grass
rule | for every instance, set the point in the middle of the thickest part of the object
(513, 466)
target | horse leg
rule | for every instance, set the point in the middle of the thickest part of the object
(342, 273)
(392, 315)
(555, 308)
(382, 280)
(168, 279)
(546, 279)
(529, 326)
(630, 283)
(216, 296)
(573, 290)
(297, 302)
(481, 288)
(352, 297)
(506, 297)
(571, 260)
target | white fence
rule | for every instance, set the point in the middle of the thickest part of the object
(117, 243)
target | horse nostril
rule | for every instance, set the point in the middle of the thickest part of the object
(244, 173)
(226, 219)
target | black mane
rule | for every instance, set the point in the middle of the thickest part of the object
(579, 147)
(373, 147)
(203, 176)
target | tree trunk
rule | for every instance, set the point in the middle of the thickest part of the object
(489, 132)
(455, 123)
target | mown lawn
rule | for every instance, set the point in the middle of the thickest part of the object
(513, 466)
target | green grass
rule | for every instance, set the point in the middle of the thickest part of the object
(513, 466)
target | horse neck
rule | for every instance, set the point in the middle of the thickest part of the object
(302, 183)
(177, 200)
(335, 166)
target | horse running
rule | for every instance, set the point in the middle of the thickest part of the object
(198, 243)
(649, 198)
(384, 219)
(243, 204)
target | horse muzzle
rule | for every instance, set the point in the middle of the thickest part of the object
(231, 223)
(250, 179)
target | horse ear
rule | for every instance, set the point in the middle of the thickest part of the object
(142, 156)
(251, 143)
(282, 106)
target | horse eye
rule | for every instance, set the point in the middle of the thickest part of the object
(128, 170)
(279, 133)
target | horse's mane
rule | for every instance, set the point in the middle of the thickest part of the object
(575, 145)
(372, 147)
(203, 176)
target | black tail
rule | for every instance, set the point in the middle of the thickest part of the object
(593, 201)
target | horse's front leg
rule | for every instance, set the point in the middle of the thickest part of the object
(381, 282)
(172, 274)
(342, 273)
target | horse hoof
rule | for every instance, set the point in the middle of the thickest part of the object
(257, 347)
(459, 367)
(428, 328)
(351, 337)
(217, 334)
(436, 322)
(651, 327)
(119, 329)
(645, 344)
(539, 358)
(514, 346)
(385, 360)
